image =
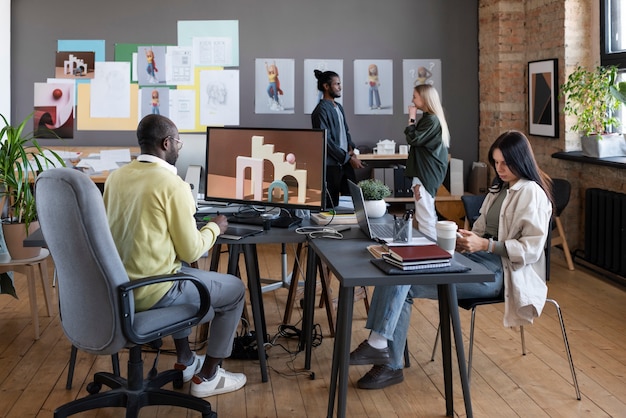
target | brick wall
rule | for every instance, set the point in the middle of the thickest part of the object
(512, 33)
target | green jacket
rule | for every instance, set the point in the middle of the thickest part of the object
(428, 156)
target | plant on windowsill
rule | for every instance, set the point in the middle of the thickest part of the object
(374, 193)
(593, 97)
(21, 158)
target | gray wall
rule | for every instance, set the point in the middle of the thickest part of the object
(330, 29)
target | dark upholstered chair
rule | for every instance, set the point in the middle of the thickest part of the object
(561, 190)
(96, 298)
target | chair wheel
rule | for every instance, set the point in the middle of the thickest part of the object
(178, 383)
(94, 388)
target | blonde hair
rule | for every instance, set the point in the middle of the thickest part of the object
(431, 100)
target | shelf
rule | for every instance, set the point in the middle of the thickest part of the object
(615, 162)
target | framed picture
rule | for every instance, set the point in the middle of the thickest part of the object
(543, 119)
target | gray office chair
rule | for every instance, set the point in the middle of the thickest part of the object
(472, 206)
(96, 298)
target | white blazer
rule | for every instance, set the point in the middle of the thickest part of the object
(523, 227)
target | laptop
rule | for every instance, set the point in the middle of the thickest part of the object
(376, 231)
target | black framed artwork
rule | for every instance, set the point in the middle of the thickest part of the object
(543, 119)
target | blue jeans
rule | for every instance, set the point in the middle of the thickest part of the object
(390, 308)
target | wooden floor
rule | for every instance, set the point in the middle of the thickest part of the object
(504, 383)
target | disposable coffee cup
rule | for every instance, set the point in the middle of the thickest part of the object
(446, 235)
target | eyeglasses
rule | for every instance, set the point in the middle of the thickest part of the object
(179, 143)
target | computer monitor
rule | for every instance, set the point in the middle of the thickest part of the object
(266, 167)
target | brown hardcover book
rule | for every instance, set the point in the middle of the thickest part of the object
(419, 253)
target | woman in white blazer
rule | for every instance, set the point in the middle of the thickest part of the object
(508, 238)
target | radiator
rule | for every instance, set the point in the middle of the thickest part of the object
(605, 230)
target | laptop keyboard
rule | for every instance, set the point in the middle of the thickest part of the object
(382, 230)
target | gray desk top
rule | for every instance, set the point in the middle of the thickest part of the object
(349, 260)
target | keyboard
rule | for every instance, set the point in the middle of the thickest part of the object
(280, 222)
(382, 230)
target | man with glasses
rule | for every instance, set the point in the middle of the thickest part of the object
(150, 210)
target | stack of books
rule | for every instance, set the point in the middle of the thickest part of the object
(417, 257)
(328, 218)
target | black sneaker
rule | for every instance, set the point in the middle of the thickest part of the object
(379, 377)
(366, 354)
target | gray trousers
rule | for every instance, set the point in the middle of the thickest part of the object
(227, 300)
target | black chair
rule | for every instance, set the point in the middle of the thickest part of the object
(561, 190)
(96, 299)
(472, 212)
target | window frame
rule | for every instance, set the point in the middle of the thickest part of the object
(609, 58)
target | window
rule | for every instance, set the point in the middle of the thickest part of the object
(613, 32)
(613, 41)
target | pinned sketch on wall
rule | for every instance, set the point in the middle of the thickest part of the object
(75, 64)
(219, 97)
(151, 68)
(110, 90)
(214, 42)
(54, 110)
(416, 72)
(154, 100)
(179, 65)
(212, 51)
(312, 95)
(373, 87)
(274, 86)
(182, 108)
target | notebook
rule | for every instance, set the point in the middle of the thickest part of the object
(376, 231)
(419, 253)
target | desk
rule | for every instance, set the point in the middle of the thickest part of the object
(247, 246)
(340, 256)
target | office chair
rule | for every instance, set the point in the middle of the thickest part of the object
(561, 190)
(96, 298)
(472, 304)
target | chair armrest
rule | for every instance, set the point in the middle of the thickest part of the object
(177, 323)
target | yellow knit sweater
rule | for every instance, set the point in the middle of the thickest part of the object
(150, 212)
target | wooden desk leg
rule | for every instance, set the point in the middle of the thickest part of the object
(460, 351)
(446, 343)
(43, 271)
(29, 271)
(256, 300)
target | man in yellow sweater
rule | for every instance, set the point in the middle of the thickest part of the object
(150, 210)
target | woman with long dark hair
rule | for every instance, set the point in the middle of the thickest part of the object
(508, 238)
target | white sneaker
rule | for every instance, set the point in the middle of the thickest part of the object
(222, 382)
(189, 371)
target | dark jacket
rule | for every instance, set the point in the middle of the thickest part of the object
(324, 116)
(428, 156)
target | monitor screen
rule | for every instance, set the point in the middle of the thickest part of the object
(265, 166)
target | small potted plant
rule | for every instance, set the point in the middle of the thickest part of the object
(593, 98)
(374, 193)
(21, 158)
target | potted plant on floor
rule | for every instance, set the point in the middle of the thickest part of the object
(374, 193)
(21, 158)
(593, 97)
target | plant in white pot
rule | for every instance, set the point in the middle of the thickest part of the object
(593, 98)
(374, 193)
(21, 158)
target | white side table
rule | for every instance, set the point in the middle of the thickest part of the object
(28, 267)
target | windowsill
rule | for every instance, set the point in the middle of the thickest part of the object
(615, 162)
